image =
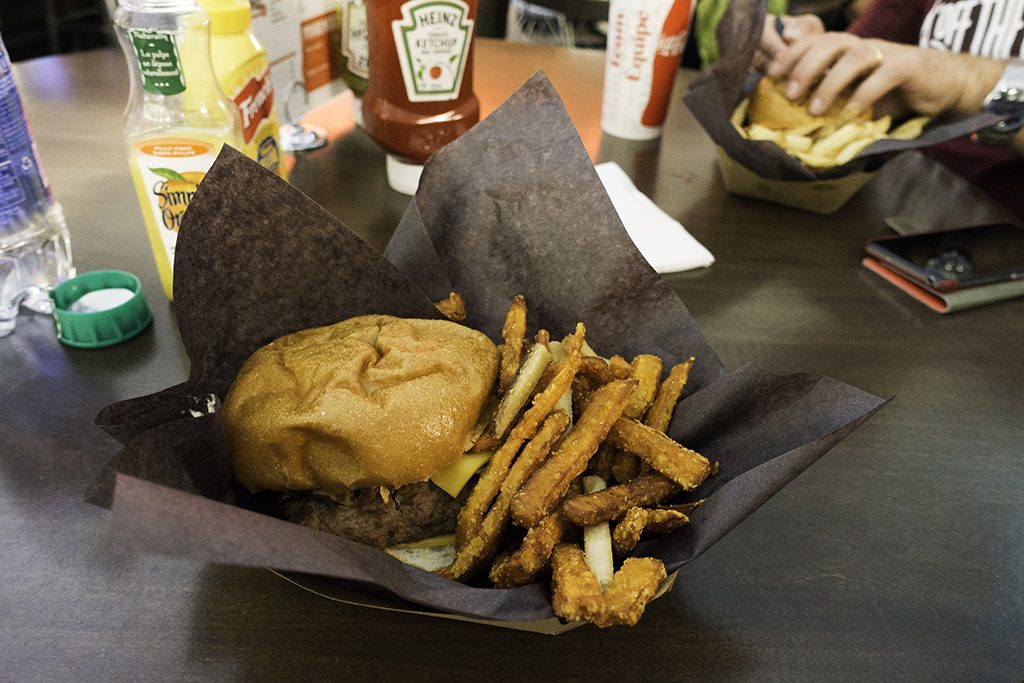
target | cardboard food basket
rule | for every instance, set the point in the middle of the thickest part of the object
(824, 195)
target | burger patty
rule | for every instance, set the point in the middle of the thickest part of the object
(414, 512)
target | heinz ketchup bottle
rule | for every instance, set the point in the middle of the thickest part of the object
(420, 94)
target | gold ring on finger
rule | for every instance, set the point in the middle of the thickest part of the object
(879, 56)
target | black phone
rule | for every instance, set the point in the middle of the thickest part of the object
(947, 260)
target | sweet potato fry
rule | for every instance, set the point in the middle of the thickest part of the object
(481, 546)
(596, 370)
(647, 373)
(627, 532)
(620, 367)
(636, 521)
(533, 555)
(550, 482)
(683, 466)
(613, 502)
(471, 515)
(453, 308)
(685, 508)
(564, 402)
(513, 332)
(544, 401)
(634, 585)
(543, 337)
(665, 520)
(646, 370)
(602, 462)
(485, 442)
(535, 475)
(534, 453)
(582, 389)
(575, 594)
(625, 467)
(660, 413)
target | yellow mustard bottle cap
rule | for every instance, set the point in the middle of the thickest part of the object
(228, 16)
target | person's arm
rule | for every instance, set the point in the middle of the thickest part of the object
(895, 20)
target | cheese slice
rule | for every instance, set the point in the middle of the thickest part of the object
(453, 478)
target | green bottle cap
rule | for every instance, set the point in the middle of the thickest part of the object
(101, 308)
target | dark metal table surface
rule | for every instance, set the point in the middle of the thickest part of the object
(898, 556)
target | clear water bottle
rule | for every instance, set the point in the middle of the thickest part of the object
(35, 251)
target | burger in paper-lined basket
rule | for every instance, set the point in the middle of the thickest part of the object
(577, 445)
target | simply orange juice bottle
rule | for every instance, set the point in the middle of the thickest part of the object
(243, 73)
(177, 118)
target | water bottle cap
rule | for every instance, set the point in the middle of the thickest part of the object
(101, 308)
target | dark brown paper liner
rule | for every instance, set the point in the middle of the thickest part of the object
(505, 227)
(331, 590)
(513, 206)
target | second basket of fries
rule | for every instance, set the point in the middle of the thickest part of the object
(771, 148)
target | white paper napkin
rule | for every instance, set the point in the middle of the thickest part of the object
(661, 239)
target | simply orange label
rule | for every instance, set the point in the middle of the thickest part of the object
(169, 171)
(174, 192)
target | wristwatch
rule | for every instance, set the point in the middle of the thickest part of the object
(1006, 99)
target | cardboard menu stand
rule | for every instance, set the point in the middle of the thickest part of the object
(513, 206)
(303, 43)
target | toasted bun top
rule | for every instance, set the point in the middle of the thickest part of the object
(370, 401)
(770, 107)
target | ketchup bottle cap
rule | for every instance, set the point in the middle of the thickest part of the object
(403, 176)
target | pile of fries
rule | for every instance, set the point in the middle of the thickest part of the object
(580, 469)
(822, 141)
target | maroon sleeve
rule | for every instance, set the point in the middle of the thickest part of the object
(896, 20)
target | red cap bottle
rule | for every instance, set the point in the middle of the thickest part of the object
(420, 93)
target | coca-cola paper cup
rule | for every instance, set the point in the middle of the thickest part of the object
(645, 42)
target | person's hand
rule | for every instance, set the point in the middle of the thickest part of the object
(793, 29)
(905, 77)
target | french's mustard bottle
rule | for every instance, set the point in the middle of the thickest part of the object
(243, 73)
